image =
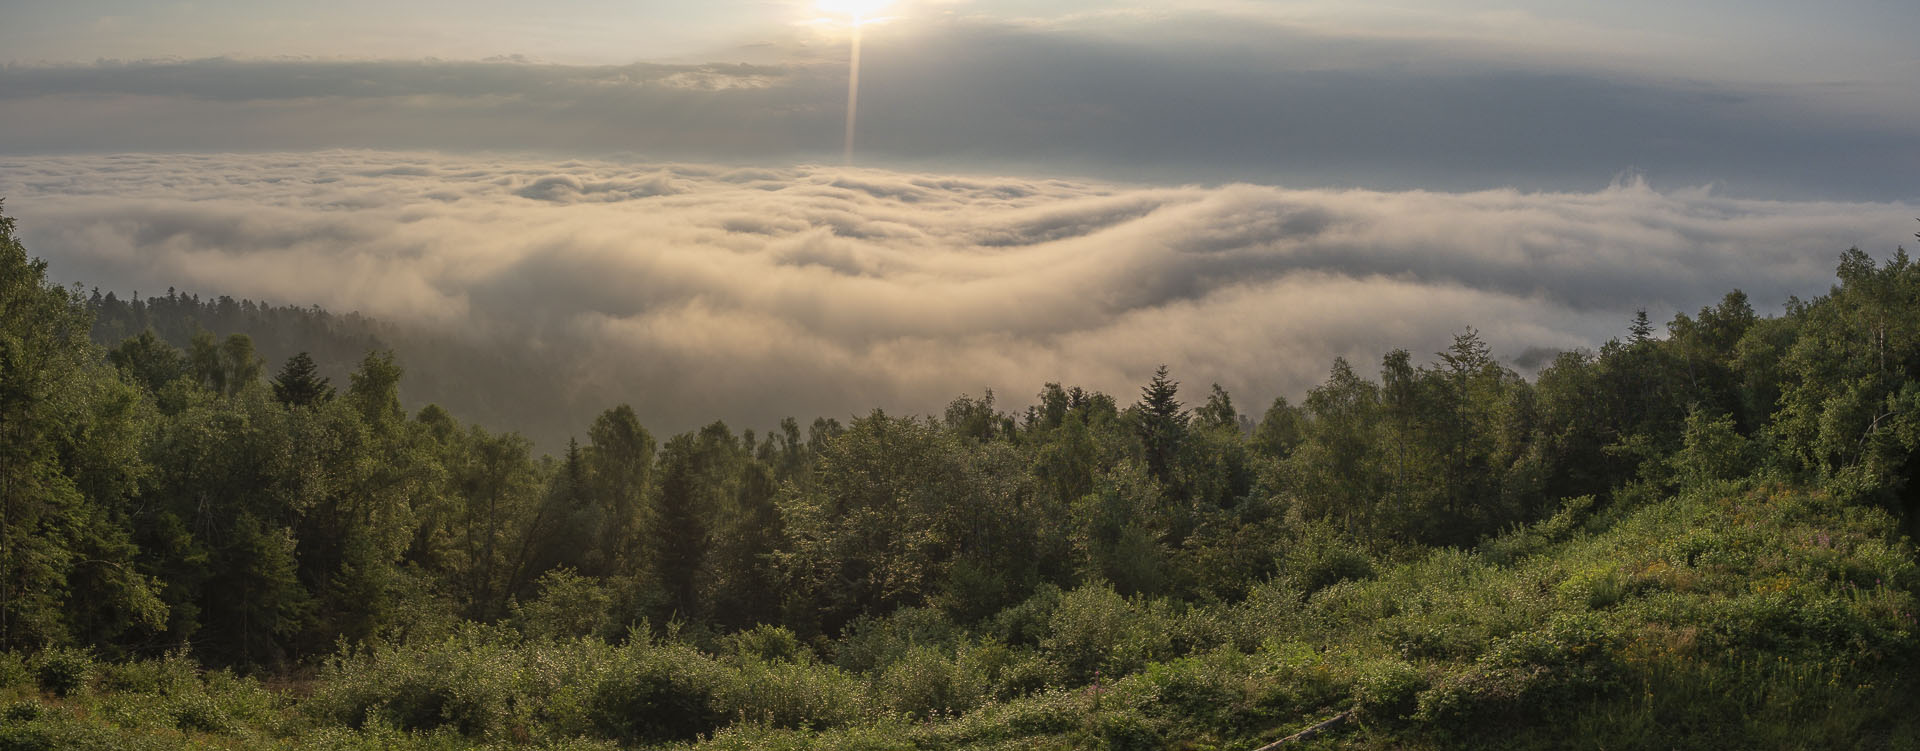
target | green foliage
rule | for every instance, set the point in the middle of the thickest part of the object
(1095, 630)
(64, 672)
(299, 384)
(658, 695)
(1321, 557)
(768, 644)
(1689, 541)
(569, 605)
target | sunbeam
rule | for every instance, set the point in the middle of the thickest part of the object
(858, 12)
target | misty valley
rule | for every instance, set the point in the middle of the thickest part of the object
(959, 375)
(238, 524)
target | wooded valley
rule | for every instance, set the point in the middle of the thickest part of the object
(1698, 536)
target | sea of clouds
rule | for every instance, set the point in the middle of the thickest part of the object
(700, 292)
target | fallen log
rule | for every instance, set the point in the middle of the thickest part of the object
(1323, 726)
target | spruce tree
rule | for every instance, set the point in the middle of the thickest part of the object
(1162, 423)
(299, 385)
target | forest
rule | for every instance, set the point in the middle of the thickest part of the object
(1696, 537)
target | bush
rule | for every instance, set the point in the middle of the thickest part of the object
(1320, 557)
(1025, 624)
(14, 671)
(569, 605)
(1387, 690)
(803, 694)
(926, 682)
(168, 675)
(1125, 731)
(463, 684)
(873, 643)
(200, 713)
(22, 711)
(1094, 629)
(1529, 677)
(63, 672)
(768, 643)
(1026, 672)
(655, 694)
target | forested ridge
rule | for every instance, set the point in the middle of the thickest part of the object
(482, 381)
(1700, 539)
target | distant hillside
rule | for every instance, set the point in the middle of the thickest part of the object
(492, 387)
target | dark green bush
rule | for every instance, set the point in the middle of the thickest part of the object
(873, 643)
(63, 672)
(1387, 691)
(1320, 557)
(199, 712)
(1027, 672)
(22, 711)
(464, 684)
(1529, 677)
(1026, 624)
(658, 694)
(1125, 731)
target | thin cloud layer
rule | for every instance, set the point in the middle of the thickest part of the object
(698, 292)
(1188, 96)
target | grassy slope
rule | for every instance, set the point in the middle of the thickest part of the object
(1731, 616)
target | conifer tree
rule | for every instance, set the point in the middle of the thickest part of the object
(299, 385)
(1162, 423)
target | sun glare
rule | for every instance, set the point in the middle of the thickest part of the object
(855, 8)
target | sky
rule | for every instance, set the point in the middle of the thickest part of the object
(1038, 191)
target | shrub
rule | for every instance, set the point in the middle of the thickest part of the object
(171, 674)
(1387, 690)
(873, 643)
(1026, 672)
(1529, 677)
(1321, 557)
(655, 694)
(803, 694)
(1026, 624)
(200, 712)
(926, 681)
(1125, 731)
(463, 683)
(14, 671)
(22, 711)
(768, 643)
(1095, 629)
(569, 605)
(63, 672)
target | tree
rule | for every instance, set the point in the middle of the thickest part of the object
(374, 389)
(1642, 328)
(619, 474)
(299, 385)
(1280, 430)
(148, 361)
(1161, 424)
(679, 527)
(68, 459)
(1218, 411)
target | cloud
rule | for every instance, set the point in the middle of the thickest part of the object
(1186, 97)
(698, 292)
(570, 189)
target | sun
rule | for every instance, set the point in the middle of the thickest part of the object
(855, 8)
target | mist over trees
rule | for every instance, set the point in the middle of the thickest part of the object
(1431, 547)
